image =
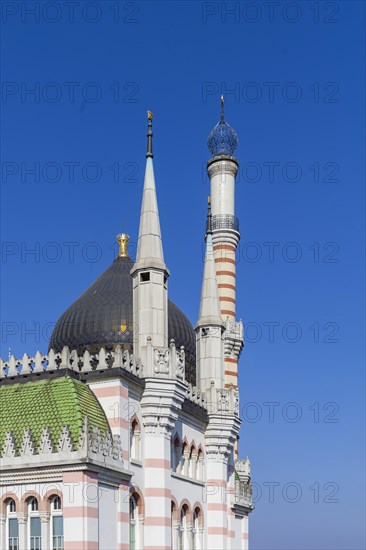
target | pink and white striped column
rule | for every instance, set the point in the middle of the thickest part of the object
(160, 405)
(157, 492)
(222, 171)
(245, 532)
(80, 510)
(217, 525)
(123, 520)
(114, 399)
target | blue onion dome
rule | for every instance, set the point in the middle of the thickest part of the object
(223, 139)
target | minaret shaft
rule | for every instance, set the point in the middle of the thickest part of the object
(209, 327)
(222, 169)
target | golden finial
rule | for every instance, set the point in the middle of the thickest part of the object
(209, 200)
(149, 115)
(123, 239)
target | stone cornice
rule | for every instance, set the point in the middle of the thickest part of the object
(242, 510)
(220, 436)
(160, 404)
(53, 473)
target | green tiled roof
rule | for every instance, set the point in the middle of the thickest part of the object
(52, 403)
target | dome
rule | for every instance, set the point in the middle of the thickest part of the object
(223, 139)
(103, 317)
(53, 403)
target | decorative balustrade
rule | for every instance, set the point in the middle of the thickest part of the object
(243, 494)
(69, 359)
(92, 444)
(166, 362)
(197, 397)
(225, 221)
(243, 485)
(233, 338)
(224, 401)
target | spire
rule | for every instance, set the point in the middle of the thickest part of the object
(209, 306)
(149, 152)
(149, 246)
(209, 217)
(222, 118)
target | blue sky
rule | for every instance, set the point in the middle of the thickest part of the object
(293, 79)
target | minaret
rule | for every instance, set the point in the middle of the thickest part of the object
(150, 274)
(210, 326)
(222, 169)
(164, 389)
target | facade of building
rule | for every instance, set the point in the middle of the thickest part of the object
(124, 436)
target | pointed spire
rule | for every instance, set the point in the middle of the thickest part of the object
(209, 217)
(222, 118)
(209, 306)
(149, 152)
(149, 246)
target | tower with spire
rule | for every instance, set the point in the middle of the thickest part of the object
(210, 326)
(149, 273)
(222, 169)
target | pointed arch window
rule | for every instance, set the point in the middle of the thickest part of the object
(200, 465)
(176, 454)
(183, 531)
(12, 526)
(135, 522)
(197, 529)
(175, 526)
(135, 440)
(185, 459)
(192, 471)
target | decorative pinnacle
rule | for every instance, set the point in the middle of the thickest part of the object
(149, 135)
(222, 108)
(122, 240)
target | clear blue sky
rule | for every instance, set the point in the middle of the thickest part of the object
(293, 78)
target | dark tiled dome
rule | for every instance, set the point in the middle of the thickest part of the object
(103, 316)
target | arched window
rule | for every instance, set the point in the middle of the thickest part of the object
(34, 525)
(176, 454)
(56, 503)
(57, 524)
(12, 527)
(192, 472)
(135, 513)
(200, 465)
(197, 529)
(183, 528)
(175, 526)
(33, 504)
(135, 438)
(12, 506)
(185, 459)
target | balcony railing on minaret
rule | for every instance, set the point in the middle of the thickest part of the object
(225, 221)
